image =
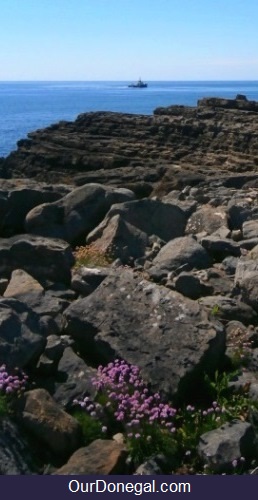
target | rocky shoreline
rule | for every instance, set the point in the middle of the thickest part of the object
(172, 199)
(174, 147)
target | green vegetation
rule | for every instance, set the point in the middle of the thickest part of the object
(4, 407)
(91, 428)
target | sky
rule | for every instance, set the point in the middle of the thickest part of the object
(124, 39)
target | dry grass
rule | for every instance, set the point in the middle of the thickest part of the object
(91, 256)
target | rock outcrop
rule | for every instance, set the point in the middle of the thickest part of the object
(174, 147)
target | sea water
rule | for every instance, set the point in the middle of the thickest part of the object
(27, 106)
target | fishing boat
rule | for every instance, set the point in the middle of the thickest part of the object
(138, 85)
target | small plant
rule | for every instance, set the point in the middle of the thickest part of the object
(91, 256)
(215, 310)
(11, 386)
(241, 355)
(3, 405)
(235, 405)
(239, 348)
(91, 427)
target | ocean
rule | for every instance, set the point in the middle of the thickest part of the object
(27, 106)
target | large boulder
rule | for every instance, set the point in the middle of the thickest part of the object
(167, 335)
(165, 220)
(43, 258)
(72, 217)
(119, 238)
(20, 334)
(18, 197)
(179, 254)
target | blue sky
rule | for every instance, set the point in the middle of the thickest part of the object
(125, 39)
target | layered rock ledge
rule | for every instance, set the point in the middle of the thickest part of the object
(175, 146)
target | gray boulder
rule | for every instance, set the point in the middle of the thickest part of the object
(181, 253)
(167, 335)
(20, 334)
(86, 279)
(249, 290)
(228, 309)
(250, 229)
(221, 447)
(216, 281)
(220, 248)
(246, 278)
(72, 217)
(43, 258)
(189, 285)
(246, 268)
(208, 219)
(242, 206)
(119, 238)
(238, 213)
(229, 265)
(152, 217)
(29, 291)
(20, 196)
(248, 244)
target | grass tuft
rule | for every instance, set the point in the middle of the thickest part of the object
(91, 256)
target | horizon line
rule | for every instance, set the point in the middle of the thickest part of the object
(114, 81)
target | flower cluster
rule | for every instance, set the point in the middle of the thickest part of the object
(10, 384)
(149, 425)
(135, 411)
(131, 400)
